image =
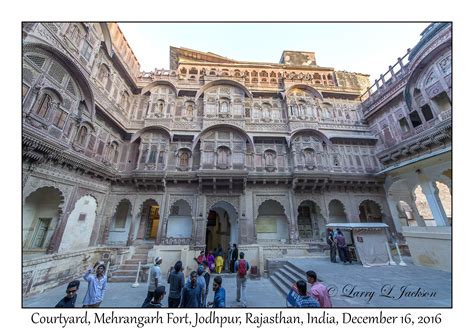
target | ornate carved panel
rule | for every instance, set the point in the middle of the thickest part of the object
(232, 200)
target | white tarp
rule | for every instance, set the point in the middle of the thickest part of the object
(371, 247)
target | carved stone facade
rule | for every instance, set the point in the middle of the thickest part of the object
(211, 137)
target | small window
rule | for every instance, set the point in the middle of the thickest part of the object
(91, 143)
(59, 118)
(100, 148)
(44, 106)
(82, 217)
(427, 113)
(160, 157)
(144, 155)
(81, 137)
(415, 119)
(152, 158)
(86, 50)
(442, 101)
(183, 159)
(40, 232)
(404, 125)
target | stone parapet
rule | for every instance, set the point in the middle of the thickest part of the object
(430, 246)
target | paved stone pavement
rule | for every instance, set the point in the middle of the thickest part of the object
(260, 293)
(381, 286)
(351, 286)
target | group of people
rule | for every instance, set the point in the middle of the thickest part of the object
(317, 296)
(337, 242)
(193, 292)
(218, 260)
(97, 283)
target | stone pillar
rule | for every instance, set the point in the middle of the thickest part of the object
(293, 214)
(162, 229)
(200, 233)
(246, 220)
(419, 221)
(431, 193)
(55, 242)
(392, 205)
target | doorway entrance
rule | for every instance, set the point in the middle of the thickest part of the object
(222, 227)
(150, 220)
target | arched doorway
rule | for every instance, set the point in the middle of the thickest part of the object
(271, 224)
(222, 227)
(41, 211)
(369, 211)
(337, 211)
(80, 224)
(120, 223)
(149, 220)
(310, 221)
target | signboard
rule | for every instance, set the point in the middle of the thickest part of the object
(266, 225)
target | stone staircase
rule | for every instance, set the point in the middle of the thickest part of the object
(285, 275)
(127, 271)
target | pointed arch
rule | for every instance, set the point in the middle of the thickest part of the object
(214, 127)
(311, 131)
(308, 88)
(161, 128)
(222, 82)
(167, 83)
(79, 75)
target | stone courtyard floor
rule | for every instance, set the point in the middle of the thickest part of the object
(350, 286)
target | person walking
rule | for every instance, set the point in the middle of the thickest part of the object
(211, 262)
(69, 300)
(207, 279)
(158, 296)
(318, 290)
(242, 267)
(97, 283)
(227, 258)
(342, 247)
(153, 280)
(219, 262)
(219, 293)
(192, 292)
(332, 245)
(176, 282)
(234, 256)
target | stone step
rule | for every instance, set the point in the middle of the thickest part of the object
(124, 273)
(134, 261)
(119, 278)
(282, 283)
(128, 267)
(289, 275)
(295, 271)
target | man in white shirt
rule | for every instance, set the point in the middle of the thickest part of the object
(153, 280)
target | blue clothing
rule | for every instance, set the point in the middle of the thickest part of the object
(309, 302)
(294, 299)
(95, 289)
(191, 296)
(219, 298)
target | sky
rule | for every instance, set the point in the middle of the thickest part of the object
(356, 47)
